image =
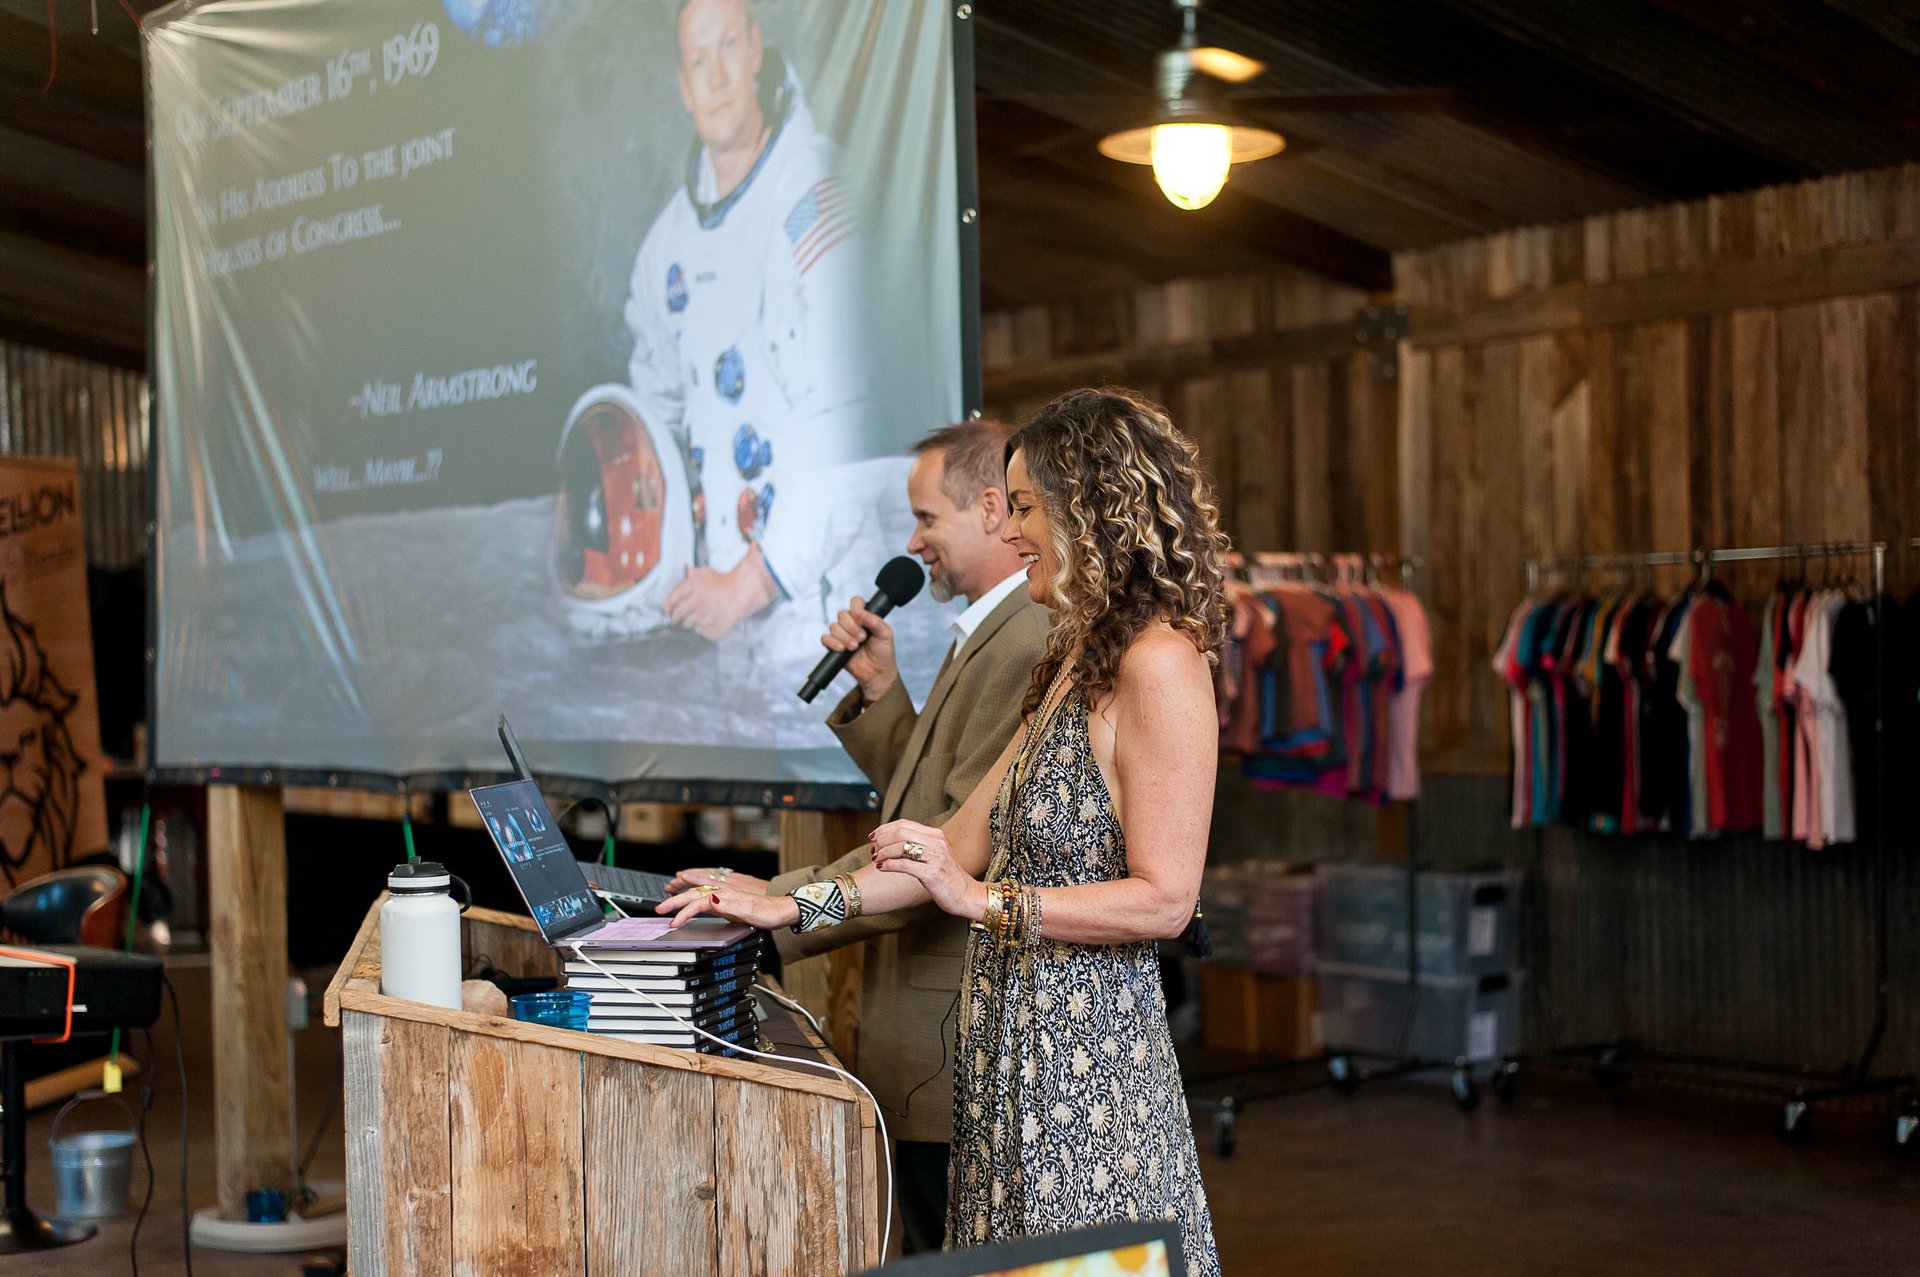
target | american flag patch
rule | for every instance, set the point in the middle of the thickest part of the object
(822, 218)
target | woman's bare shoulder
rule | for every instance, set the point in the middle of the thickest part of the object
(1157, 654)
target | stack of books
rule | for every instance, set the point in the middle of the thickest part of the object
(658, 989)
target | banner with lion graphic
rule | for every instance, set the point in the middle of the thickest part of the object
(52, 800)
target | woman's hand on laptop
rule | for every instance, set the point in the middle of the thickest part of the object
(755, 908)
(718, 877)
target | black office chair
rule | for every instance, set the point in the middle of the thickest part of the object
(83, 905)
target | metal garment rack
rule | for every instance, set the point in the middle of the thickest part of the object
(1344, 1068)
(1796, 1088)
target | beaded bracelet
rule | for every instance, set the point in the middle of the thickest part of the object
(821, 905)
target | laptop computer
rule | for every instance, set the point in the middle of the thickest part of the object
(628, 888)
(550, 880)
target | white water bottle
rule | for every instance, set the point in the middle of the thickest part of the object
(420, 936)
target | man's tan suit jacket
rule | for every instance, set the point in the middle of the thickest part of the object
(925, 765)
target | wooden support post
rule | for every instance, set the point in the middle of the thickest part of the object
(832, 981)
(247, 893)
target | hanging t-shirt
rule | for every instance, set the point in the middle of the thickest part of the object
(1868, 669)
(1403, 710)
(1723, 656)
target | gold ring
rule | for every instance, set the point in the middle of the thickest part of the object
(913, 851)
(708, 890)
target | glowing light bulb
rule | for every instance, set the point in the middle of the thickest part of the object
(1190, 161)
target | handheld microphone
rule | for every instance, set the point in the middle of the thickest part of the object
(897, 583)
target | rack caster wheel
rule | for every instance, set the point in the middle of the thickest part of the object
(1225, 1136)
(1506, 1082)
(1345, 1080)
(1466, 1092)
(1795, 1123)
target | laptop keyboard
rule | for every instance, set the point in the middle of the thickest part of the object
(636, 885)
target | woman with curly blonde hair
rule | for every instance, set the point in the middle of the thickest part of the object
(1081, 848)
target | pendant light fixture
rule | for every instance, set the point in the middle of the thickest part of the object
(1193, 138)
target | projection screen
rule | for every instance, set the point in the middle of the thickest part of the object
(550, 357)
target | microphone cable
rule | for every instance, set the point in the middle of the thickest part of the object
(884, 1152)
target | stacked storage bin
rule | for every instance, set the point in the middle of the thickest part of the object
(1470, 984)
(1257, 991)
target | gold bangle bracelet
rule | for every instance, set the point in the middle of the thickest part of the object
(850, 892)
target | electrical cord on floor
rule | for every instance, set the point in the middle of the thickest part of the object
(180, 1058)
(146, 1105)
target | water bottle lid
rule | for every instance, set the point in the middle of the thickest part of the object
(416, 877)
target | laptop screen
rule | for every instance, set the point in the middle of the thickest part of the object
(537, 855)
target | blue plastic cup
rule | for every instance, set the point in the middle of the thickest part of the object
(561, 1008)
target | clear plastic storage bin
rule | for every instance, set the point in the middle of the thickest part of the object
(1469, 922)
(1261, 916)
(1471, 1018)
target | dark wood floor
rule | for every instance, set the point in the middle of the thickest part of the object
(1569, 1181)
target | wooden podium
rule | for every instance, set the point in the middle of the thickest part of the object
(477, 1144)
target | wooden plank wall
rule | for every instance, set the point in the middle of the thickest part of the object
(1303, 444)
(1758, 391)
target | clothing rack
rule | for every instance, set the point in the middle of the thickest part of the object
(1343, 1068)
(1795, 1088)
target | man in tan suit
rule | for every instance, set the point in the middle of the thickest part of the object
(925, 763)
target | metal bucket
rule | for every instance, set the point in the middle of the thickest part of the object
(92, 1170)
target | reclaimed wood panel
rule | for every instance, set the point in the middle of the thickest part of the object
(1536, 401)
(1572, 410)
(1414, 449)
(502, 940)
(1663, 464)
(1893, 432)
(1845, 507)
(781, 1158)
(650, 1170)
(1372, 448)
(1493, 583)
(396, 1120)
(1802, 422)
(517, 1156)
(1446, 698)
(1313, 401)
(1249, 489)
(1754, 474)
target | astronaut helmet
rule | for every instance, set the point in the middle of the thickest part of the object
(623, 520)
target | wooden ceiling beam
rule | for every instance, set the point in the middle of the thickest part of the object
(72, 302)
(1831, 52)
(1688, 74)
(1539, 99)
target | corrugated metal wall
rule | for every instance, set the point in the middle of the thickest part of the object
(55, 406)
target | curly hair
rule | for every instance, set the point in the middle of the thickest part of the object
(1135, 529)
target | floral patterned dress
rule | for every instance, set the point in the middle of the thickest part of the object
(1068, 1108)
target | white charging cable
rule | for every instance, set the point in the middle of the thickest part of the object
(885, 1151)
(786, 1001)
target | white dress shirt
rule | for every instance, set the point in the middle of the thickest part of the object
(963, 625)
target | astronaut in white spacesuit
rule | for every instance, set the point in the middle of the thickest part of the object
(747, 330)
